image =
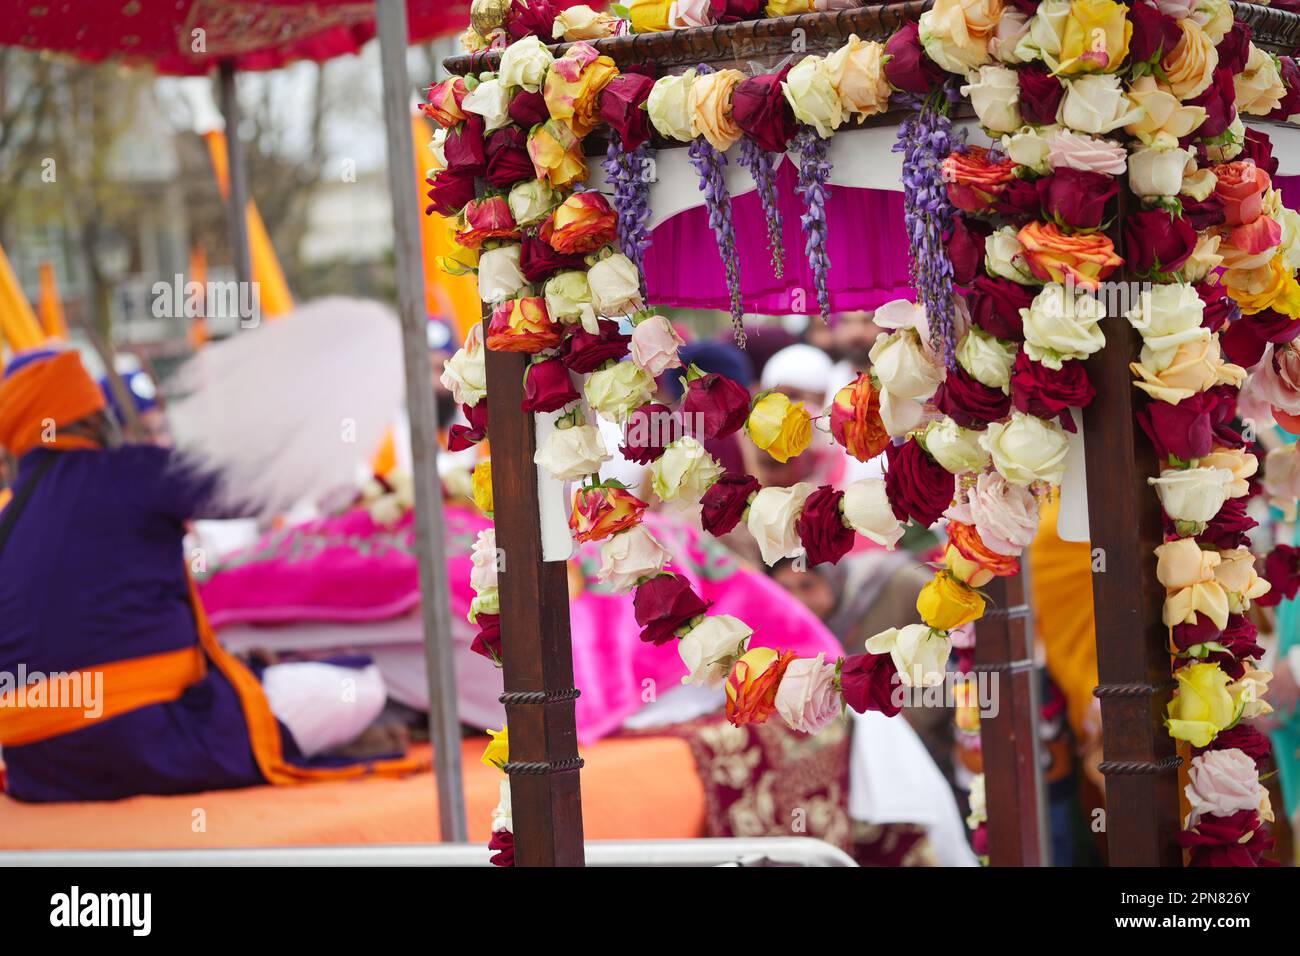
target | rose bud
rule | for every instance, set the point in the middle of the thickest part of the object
(1019, 201)
(538, 260)
(995, 306)
(461, 437)
(488, 640)
(919, 487)
(1282, 571)
(622, 107)
(724, 504)
(449, 192)
(1048, 393)
(547, 387)
(867, 682)
(522, 325)
(647, 432)
(1220, 103)
(527, 109)
(907, 67)
(1040, 94)
(465, 149)
(752, 685)
(443, 106)
(964, 244)
(821, 527)
(664, 604)
(582, 223)
(487, 218)
(603, 510)
(969, 402)
(855, 419)
(584, 352)
(760, 109)
(1156, 241)
(714, 406)
(1076, 197)
(1230, 527)
(1154, 33)
(507, 157)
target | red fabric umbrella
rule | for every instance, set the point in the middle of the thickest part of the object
(192, 36)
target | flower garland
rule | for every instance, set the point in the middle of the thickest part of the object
(977, 403)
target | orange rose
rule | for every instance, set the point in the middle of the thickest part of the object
(973, 182)
(443, 106)
(600, 511)
(1241, 187)
(752, 685)
(966, 540)
(582, 223)
(1053, 256)
(1189, 66)
(487, 218)
(573, 85)
(522, 325)
(855, 419)
(556, 154)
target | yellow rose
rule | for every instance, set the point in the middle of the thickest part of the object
(956, 33)
(1096, 37)
(964, 569)
(649, 16)
(857, 72)
(497, 752)
(573, 85)
(810, 93)
(482, 484)
(1267, 287)
(668, 105)
(779, 426)
(946, 603)
(1189, 66)
(1202, 707)
(556, 153)
(786, 8)
(1164, 119)
(1259, 87)
(709, 104)
(1192, 367)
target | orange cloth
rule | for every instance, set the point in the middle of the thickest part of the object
(453, 297)
(18, 326)
(38, 711)
(632, 788)
(1060, 578)
(54, 390)
(50, 307)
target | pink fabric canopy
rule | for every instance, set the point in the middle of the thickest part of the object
(867, 245)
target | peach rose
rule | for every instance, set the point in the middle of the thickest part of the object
(857, 71)
(1189, 66)
(1053, 256)
(522, 325)
(709, 105)
(1171, 376)
(582, 223)
(1241, 187)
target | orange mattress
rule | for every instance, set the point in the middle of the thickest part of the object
(632, 788)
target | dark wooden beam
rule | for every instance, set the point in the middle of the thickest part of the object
(1017, 823)
(537, 655)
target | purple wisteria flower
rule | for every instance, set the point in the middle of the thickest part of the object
(926, 138)
(814, 173)
(761, 165)
(630, 176)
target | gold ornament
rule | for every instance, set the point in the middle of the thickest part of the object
(488, 15)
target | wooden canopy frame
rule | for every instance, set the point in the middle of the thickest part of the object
(1134, 662)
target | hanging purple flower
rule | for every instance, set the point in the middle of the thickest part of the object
(814, 172)
(627, 172)
(926, 138)
(761, 165)
(708, 163)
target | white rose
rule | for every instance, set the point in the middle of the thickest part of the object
(1154, 172)
(867, 510)
(685, 470)
(531, 201)
(1031, 148)
(1289, 248)
(1027, 449)
(987, 358)
(615, 285)
(570, 454)
(1168, 315)
(1205, 258)
(630, 556)
(568, 299)
(524, 63)
(499, 275)
(616, 389)
(490, 100)
(902, 366)
(772, 515)
(918, 651)
(1192, 494)
(1096, 104)
(483, 558)
(710, 647)
(1043, 40)
(995, 95)
(1061, 325)
(957, 449)
(1004, 257)
(667, 106)
(463, 374)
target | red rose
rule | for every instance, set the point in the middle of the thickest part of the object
(1185, 430)
(449, 192)
(1291, 101)
(1233, 841)
(1282, 571)
(502, 846)
(1019, 201)
(1220, 102)
(714, 406)
(1204, 214)
(1154, 33)
(1220, 309)
(488, 640)
(1077, 197)
(1040, 95)
(547, 387)
(760, 109)
(1157, 242)
(1244, 340)
(1243, 737)
(1259, 148)
(647, 432)
(964, 244)
(867, 682)
(665, 603)
(1229, 528)
(821, 527)
(528, 109)
(538, 260)
(622, 106)
(908, 68)
(995, 306)
(734, 10)
(1234, 48)
(507, 157)
(464, 146)
(1048, 393)
(969, 402)
(918, 487)
(723, 505)
(584, 352)
(1201, 631)
(460, 437)
(531, 18)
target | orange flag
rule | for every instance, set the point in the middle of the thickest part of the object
(18, 325)
(198, 333)
(453, 297)
(50, 307)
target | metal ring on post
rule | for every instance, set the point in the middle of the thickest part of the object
(539, 696)
(1136, 767)
(537, 768)
(1141, 689)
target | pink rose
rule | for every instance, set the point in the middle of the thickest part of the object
(628, 557)
(806, 698)
(693, 13)
(1222, 782)
(1276, 381)
(1086, 153)
(655, 344)
(1178, 9)
(1005, 515)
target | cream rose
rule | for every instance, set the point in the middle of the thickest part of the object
(685, 470)
(772, 514)
(809, 90)
(1167, 315)
(629, 557)
(531, 201)
(710, 647)
(568, 299)
(955, 33)
(570, 454)
(615, 286)
(524, 64)
(1096, 104)
(1031, 148)
(463, 374)
(957, 449)
(1004, 257)
(668, 105)
(490, 100)
(995, 96)
(867, 510)
(1164, 119)
(1060, 324)
(1027, 449)
(617, 388)
(902, 366)
(1156, 173)
(919, 653)
(857, 72)
(1192, 494)
(499, 276)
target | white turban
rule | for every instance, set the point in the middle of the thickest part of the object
(800, 366)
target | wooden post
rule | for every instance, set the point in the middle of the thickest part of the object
(435, 597)
(1140, 761)
(1013, 769)
(545, 803)
(237, 160)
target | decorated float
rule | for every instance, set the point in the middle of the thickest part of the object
(1105, 307)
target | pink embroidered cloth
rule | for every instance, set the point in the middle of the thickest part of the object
(349, 569)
